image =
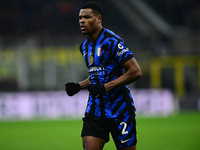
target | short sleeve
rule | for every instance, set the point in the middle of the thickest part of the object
(121, 52)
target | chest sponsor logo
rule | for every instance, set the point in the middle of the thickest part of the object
(92, 69)
(96, 70)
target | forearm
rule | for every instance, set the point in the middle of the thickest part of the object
(133, 73)
(123, 80)
(84, 83)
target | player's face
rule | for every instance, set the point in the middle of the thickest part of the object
(89, 21)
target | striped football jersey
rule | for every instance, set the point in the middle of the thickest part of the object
(104, 59)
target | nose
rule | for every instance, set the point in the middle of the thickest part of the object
(81, 20)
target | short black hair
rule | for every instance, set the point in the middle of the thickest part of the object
(94, 6)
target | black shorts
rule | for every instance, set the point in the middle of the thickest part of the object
(122, 129)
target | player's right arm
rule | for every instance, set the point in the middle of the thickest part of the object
(72, 88)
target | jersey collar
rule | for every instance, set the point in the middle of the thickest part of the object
(96, 38)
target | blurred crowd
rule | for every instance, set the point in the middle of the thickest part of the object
(184, 13)
(43, 17)
(30, 17)
(51, 17)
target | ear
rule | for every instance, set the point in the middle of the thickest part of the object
(99, 18)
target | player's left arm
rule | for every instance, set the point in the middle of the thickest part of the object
(133, 72)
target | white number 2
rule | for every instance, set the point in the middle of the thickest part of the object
(124, 128)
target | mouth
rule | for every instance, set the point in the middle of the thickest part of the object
(83, 27)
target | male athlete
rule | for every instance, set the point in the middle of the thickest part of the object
(111, 66)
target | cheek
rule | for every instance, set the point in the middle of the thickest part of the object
(92, 24)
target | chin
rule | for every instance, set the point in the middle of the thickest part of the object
(84, 32)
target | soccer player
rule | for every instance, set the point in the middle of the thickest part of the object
(111, 66)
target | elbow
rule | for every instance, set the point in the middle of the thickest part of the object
(138, 74)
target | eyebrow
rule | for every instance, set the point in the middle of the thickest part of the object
(84, 16)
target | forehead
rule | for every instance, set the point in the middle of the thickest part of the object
(86, 11)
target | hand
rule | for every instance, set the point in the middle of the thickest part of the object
(96, 89)
(72, 88)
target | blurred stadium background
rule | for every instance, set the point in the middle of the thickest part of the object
(39, 53)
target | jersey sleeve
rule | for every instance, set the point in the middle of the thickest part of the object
(121, 52)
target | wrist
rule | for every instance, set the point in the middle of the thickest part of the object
(83, 86)
(107, 87)
(96, 89)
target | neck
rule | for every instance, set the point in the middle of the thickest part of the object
(94, 35)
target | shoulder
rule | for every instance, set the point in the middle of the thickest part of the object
(82, 44)
(112, 35)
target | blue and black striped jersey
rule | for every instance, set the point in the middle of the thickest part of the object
(104, 59)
